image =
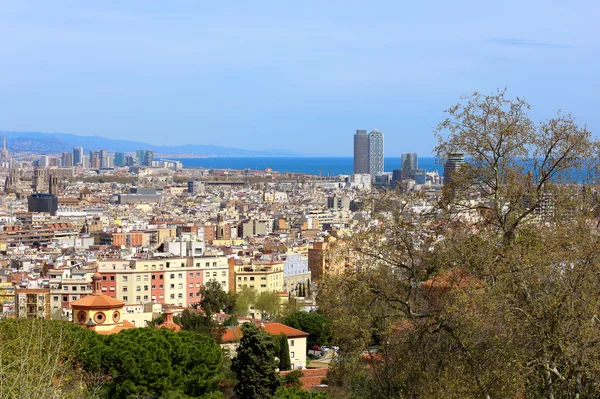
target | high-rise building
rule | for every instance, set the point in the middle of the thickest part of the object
(103, 159)
(140, 155)
(120, 159)
(376, 162)
(148, 158)
(67, 159)
(453, 162)
(78, 156)
(95, 160)
(410, 163)
(5, 156)
(361, 152)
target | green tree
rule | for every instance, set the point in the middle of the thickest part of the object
(268, 303)
(255, 364)
(284, 353)
(215, 299)
(244, 298)
(315, 324)
(157, 362)
(43, 358)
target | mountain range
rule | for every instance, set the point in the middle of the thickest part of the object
(51, 143)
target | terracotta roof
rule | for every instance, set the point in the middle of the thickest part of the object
(115, 330)
(97, 302)
(235, 333)
(310, 377)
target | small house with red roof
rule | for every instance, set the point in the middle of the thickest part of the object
(296, 340)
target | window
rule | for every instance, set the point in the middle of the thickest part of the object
(263, 286)
(153, 277)
(172, 286)
(180, 295)
(124, 289)
(198, 274)
(180, 275)
(239, 278)
(145, 297)
(124, 278)
(198, 264)
(214, 274)
(137, 298)
(172, 296)
(223, 283)
(74, 288)
(251, 278)
(191, 275)
(197, 285)
(223, 273)
(73, 298)
(125, 298)
(65, 288)
(180, 285)
(160, 277)
(207, 264)
(191, 285)
(146, 277)
(112, 288)
(55, 299)
(191, 294)
(291, 342)
(173, 275)
(153, 267)
(292, 354)
(138, 288)
(207, 274)
(103, 278)
(112, 278)
(160, 287)
(145, 288)
(138, 278)
(215, 264)
(65, 298)
(145, 267)
(154, 287)
(263, 278)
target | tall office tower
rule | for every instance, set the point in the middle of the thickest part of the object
(5, 156)
(95, 160)
(361, 152)
(453, 163)
(77, 155)
(410, 163)
(129, 161)
(44, 161)
(119, 159)
(140, 155)
(103, 159)
(376, 163)
(85, 161)
(148, 158)
(67, 159)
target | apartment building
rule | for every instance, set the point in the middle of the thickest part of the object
(262, 276)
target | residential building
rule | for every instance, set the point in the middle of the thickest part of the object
(376, 154)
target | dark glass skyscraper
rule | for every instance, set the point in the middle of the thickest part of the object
(361, 152)
(453, 162)
(410, 162)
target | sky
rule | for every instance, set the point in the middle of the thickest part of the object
(300, 75)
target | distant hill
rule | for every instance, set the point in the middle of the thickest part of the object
(50, 143)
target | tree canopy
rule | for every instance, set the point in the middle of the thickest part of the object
(492, 295)
(315, 324)
(255, 364)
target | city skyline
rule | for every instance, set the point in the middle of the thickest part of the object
(185, 73)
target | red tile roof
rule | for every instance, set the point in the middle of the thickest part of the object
(235, 333)
(310, 377)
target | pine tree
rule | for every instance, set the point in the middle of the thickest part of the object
(284, 354)
(255, 365)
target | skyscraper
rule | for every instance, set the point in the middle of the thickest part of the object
(148, 158)
(119, 159)
(376, 163)
(5, 156)
(410, 162)
(140, 155)
(361, 152)
(78, 156)
(453, 162)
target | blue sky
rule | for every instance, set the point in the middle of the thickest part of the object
(295, 75)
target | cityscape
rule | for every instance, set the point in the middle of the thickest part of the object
(195, 202)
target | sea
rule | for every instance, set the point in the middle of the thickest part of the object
(320, 166)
